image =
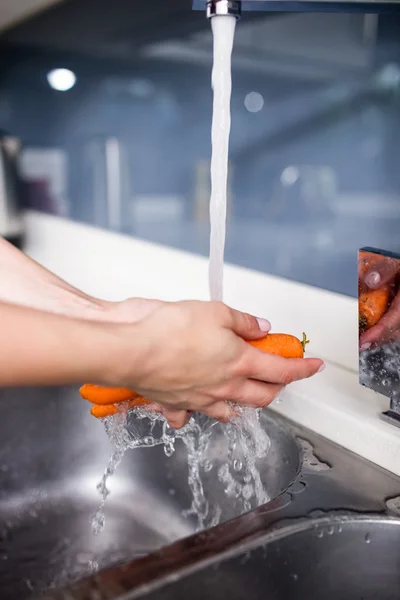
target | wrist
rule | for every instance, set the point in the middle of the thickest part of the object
(70, 302)
(126, 357)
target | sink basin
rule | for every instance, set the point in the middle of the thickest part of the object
(53, 454)
(351, 558)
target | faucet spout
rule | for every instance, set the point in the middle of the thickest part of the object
(224, 8)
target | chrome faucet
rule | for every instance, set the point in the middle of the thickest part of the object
(215, 8)
(379, 325)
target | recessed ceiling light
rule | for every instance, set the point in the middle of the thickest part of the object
(61, 80)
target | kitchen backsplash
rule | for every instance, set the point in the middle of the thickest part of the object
(314, 149)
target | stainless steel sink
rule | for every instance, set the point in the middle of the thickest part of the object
(313, 541)
(53, 454)
(346, 558)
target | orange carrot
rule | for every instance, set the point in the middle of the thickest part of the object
(372, 305)
(282, 344)
(105, 410)
(105, 399)
(105, 395)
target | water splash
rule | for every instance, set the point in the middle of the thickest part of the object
(246, 432)
(120, 439)
(246, 442)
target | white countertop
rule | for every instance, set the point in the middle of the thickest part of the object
(113, 266)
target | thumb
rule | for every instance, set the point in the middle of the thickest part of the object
(381, 273)
(247, 326)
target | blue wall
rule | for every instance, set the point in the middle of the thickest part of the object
(166, 132)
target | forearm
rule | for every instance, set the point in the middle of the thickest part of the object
(39, 348)
(26, 283)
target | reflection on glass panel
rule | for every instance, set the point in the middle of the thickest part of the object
(315, 127)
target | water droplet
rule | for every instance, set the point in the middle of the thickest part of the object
(320, 533)
(367, 538)
(247, 492)
(331, 530)
(294, 576)
(297, 487)
(207, 466)
(93, 566)
(246, 505)
(169, 449)
(149, 440)
(237, 465)
(393, 504)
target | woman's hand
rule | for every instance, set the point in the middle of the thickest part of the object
(133, 310)
(183, 356)
(192, 356)
(384, 271)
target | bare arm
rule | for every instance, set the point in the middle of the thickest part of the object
(39, 348)
(184, 356)
(26, 283)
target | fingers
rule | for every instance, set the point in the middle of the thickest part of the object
(176, 418)
(386, 330)
(275, 369)
(220, 411)
(155, 407)
(257, 394)
(252, 393)
(244, 325)
(381, 273)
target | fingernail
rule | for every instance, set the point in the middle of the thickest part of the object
(365, 346)
(322, 368)
(263, 324)
(373, 279)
